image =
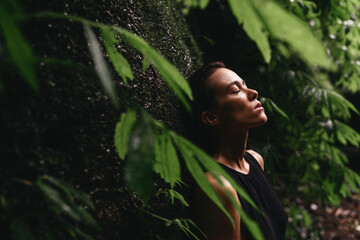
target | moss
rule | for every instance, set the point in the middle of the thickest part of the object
(67, 129)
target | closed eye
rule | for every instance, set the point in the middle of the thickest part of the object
(236, 86)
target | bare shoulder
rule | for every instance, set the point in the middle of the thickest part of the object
(220, 188)
(210, 218)
(258, 158)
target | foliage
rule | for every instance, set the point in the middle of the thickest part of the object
(300, 222)
(141, 144)
(304, 98)
(58, 208)
(312, 128)
(57, 194)
(20, 52)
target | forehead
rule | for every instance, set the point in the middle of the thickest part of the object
(223, 77)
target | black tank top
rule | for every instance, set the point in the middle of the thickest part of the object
(258, 187)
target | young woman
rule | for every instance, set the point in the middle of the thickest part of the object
(224, 110)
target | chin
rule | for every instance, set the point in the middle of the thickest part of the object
(265, 119)
(261, 121)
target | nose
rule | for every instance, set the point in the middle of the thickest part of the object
(252, 94)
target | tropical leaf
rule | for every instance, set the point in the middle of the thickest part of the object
(246, 14)
(55, 197)
(345, 134)
(61, 197)
(252, 226)
(203, 3)
(330, 190)
(331, 103)
(20, 52)
(168, 71)
(166, 160)
(270, 104)
(345, 191)
(290, 29)
(353, 179)
(175, 195)
(138, 167)
(123, 130)
(194, 158)
(210, 165)
(70, 191)
(336, 155)
(186, 226)
(259, 23)
(170, 74)
(100, 64)
(341, 104)
(145, 63)
(197, 172)
(119, 62)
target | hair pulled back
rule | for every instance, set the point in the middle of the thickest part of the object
(204, 99)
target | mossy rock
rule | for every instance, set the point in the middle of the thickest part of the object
(66, 129)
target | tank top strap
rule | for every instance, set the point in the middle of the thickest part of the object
(252, 161)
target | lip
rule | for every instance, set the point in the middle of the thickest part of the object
(258, 105)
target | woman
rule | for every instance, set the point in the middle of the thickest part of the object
(224, 110)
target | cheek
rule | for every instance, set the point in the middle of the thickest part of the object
(233, 112)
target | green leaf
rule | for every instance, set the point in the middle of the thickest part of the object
(341, 104)
(346, 134)
(246, 14)
(100, 64)
(174, 194)
(70, 191)
(268, 101)
(198, 174)
(252, 226)
(145, 63)
(123, 130)
(353, 179)
(119, 62)
(258, 22)
(184, 225)
(138, 167)
(20, 52)
(212, 166)
(166, 160)
(58, 200)
(307, 218)
(332, 101)
(284, 26)
(345, 192)
(170, 74)
(193, 157)
(62, 197)
(203, 3)
(168, 71)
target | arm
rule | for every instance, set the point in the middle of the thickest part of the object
(214, 223)
(258, 158)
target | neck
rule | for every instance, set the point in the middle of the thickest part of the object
(231, 150)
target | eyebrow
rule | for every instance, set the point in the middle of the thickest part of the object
(236, 82)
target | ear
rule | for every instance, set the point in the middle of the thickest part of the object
(210, 118)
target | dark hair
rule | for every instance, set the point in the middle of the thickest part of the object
(204, 99)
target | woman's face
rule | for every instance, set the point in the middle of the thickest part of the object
(237, 105)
